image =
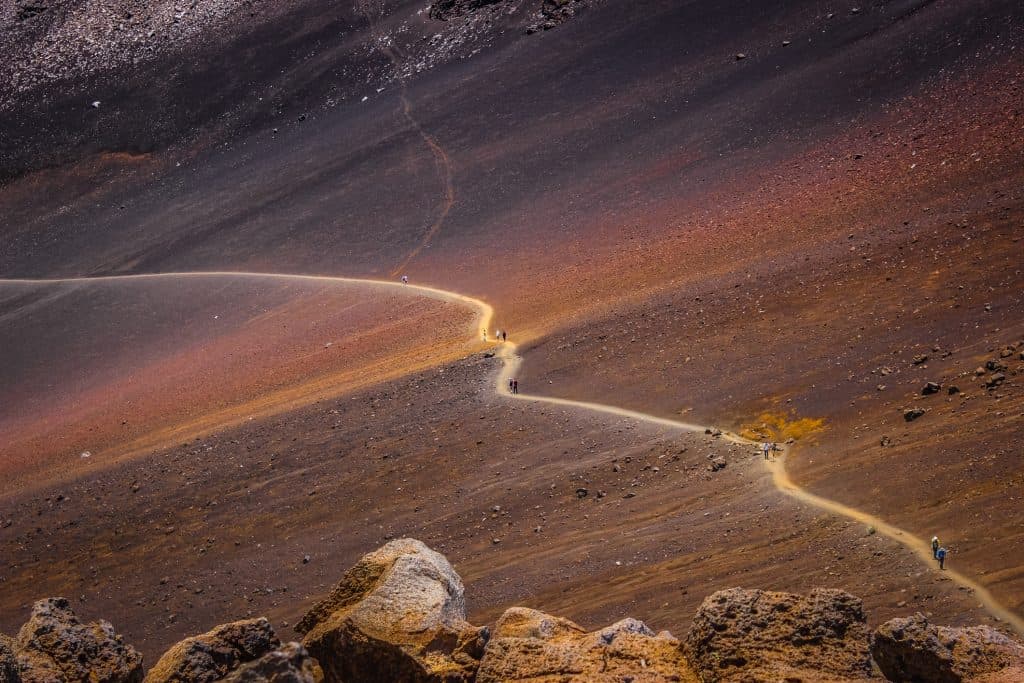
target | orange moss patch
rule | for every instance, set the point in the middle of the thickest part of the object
(778, 426)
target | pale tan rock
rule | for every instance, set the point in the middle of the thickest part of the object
(397, 615)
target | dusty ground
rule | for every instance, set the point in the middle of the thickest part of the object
(95, 371)
(439, 457)
(663, 225)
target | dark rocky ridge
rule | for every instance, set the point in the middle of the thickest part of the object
(399, 615)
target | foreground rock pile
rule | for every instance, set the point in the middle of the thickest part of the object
(400, 615)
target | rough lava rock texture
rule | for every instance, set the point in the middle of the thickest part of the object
(216, 653)
(398, 614)
(746, 635)
(55, 646)
(290, 664)
(528, 645)
(8, 661)
(911, 649)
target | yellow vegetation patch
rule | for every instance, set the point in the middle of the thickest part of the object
(777, 426)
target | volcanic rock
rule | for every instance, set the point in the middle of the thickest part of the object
(8, 661)
(528, 645)
(995, 380)
(216, 653)
(290, 664)
(753, 635)
(931, 388)
(55, 646)
(911, 649)
(913, 414)
(398, 614)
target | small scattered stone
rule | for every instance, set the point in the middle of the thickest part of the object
(913, 414)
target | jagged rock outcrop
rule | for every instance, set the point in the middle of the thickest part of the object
(528, 645)
(55, 646)
(8, 661)
(398, 615)
(753, 635)
(216, 653)
(290, 664)
(911, 649)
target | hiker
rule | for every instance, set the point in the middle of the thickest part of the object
(766, 447)
(405, 279)
(511, 384)
(504, 335)
(935, 547)
(515, 386)
(940, 555)
(484, 333)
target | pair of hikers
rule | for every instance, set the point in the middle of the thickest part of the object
(768, 446)
(499, 335)
(513, 385)
(938, 552)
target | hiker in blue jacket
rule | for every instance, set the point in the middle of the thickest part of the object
(940, 555)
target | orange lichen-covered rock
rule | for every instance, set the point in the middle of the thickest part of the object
(528, 645)
(911, 649)
(55, 646)
(747, 635)
(214, 654)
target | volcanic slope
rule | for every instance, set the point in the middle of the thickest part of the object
(547, 505)
(103, 369)
(603, 175)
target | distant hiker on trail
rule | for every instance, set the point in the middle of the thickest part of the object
(484, 333)
(504, 335)
(405, 279)
(766, 447)
(511, 384)
(935, 547)
(940, 555)
(515, 386)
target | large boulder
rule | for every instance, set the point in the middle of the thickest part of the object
(290, 664)
(747, 635)
(911, 649)
(213, 655)
(54, 646)
(528, 645)
(398, 615)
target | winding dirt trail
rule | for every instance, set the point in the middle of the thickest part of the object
(511, 362)
(373, 11)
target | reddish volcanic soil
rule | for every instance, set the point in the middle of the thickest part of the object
(188, 537)
(114, 367)
(770, 243)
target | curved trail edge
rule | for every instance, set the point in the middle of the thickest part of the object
(511, 362)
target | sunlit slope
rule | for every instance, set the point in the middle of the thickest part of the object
(99, 369)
